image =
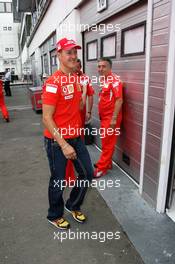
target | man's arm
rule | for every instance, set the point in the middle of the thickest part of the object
(90, 105)
(84, 94)
(81, 104)
(48, 111)
(117, 108)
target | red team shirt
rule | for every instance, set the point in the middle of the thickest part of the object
(111, 89)
(65, 96)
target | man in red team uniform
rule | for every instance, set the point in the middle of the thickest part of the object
(62, 101)
(110, 113)
(3, 107)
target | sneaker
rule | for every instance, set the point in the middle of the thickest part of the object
(60, 223)
(99, 173)
(77, 215)
(7, 119)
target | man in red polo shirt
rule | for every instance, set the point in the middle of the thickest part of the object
(110, 113)
(62, 101)
(3, 107)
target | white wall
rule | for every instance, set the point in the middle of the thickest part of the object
(38, 62)
(25, 61)
(58, 13)
(55, 15)
(70, 28)
(9, 39)
(24, 54)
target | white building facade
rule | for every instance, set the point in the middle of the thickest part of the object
(48, 25)
(9, 40)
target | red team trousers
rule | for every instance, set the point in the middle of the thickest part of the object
(3, 107)
(108, 141)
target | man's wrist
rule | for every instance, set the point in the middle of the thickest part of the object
(114, 118)
(62, 143)
(64, 146)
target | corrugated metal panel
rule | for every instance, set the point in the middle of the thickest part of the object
(132, 72)
(89, 14)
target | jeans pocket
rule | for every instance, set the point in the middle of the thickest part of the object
(46, 144)
(55, 145)
(55, 149)
(49, 151)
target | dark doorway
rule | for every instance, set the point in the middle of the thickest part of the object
(171, 182)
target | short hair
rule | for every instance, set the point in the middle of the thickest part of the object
(106, 59)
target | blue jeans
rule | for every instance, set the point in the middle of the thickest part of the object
(57, 164)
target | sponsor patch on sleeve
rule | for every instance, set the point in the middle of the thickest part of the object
(51, 89)
(115, 84)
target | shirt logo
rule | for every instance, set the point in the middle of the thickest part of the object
(68, 89)
(68, 97)
(69, 42)
(51, 89)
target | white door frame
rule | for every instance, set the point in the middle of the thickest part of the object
(146, 90)
(168, 119)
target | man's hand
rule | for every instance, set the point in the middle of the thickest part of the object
(69, 152)
(81, 104)
(88, 116)
(113, 123)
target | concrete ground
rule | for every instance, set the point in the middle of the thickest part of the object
(25, 235)
(152, 234)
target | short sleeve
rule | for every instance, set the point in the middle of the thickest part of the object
(50, 93)
(117, 88)
(90, 89)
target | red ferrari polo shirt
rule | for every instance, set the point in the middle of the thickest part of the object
(111, 89)
(64, 93)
